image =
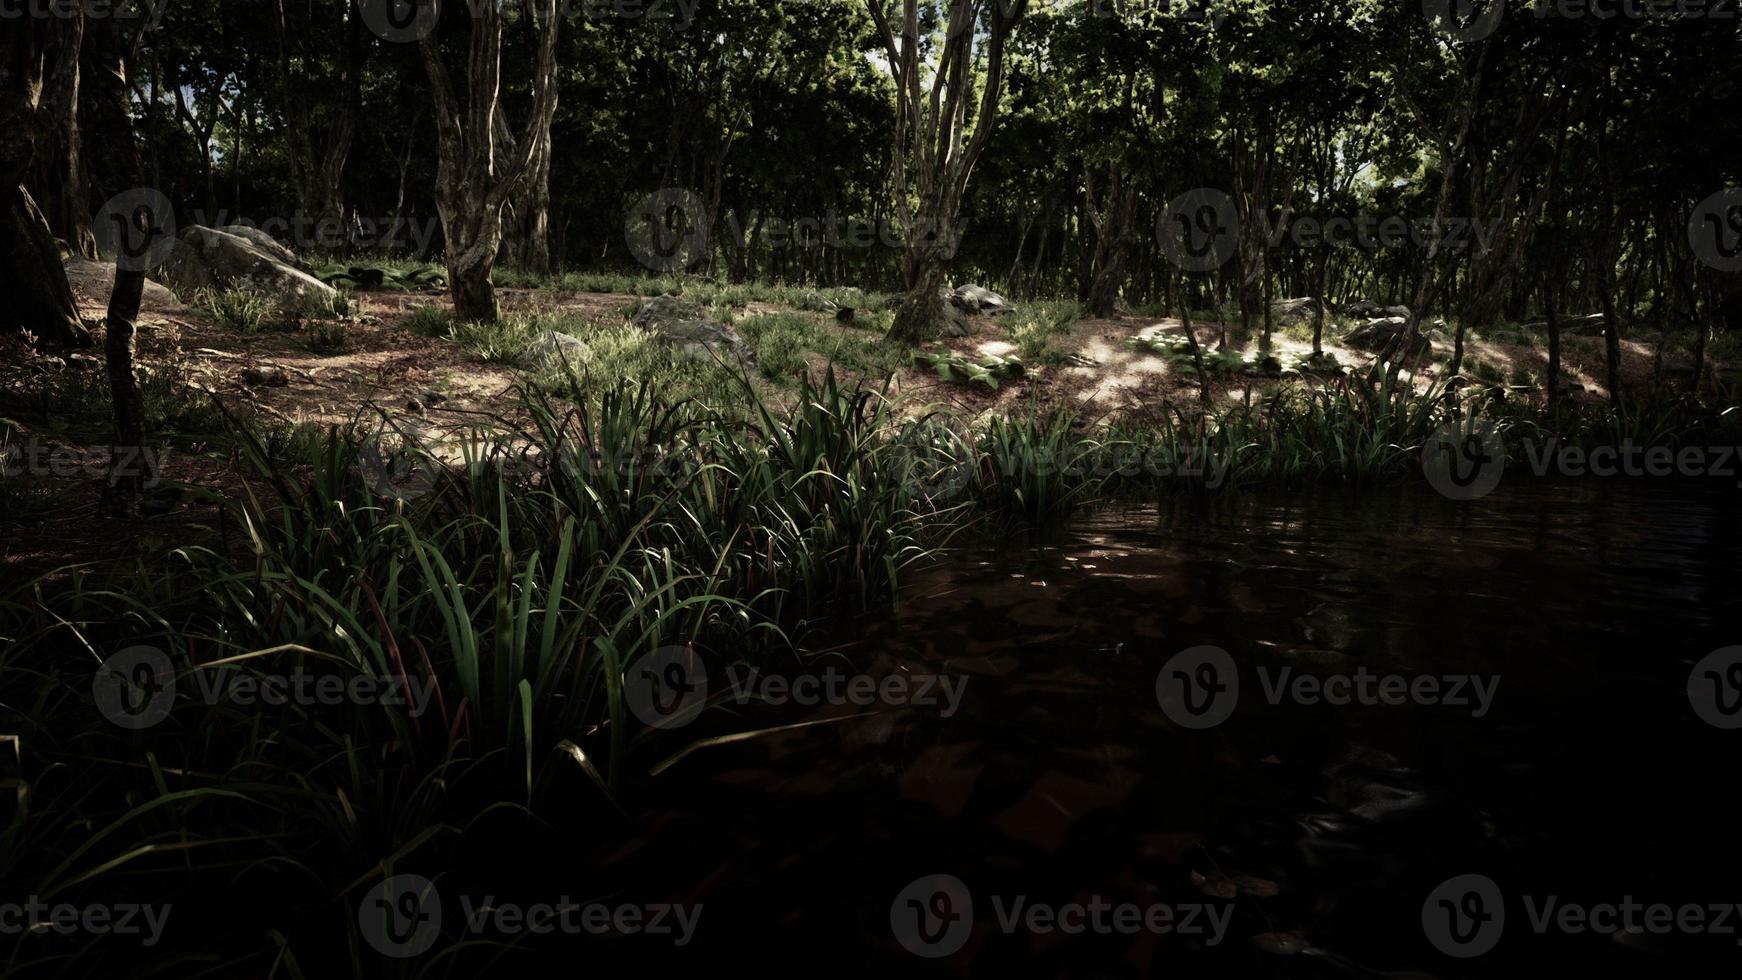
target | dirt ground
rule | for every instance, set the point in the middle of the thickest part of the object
(387, 367)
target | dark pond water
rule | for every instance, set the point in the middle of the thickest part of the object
(1582, 606)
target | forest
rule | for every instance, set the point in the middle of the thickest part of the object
(534, 486)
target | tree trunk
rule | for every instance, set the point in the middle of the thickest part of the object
(59, 185)
(1554, 351)
(1185, 319)
(1112, 220)
(130, 466)
(473, 292)
(32, 278)
(934, 153)
(471, 193)
(917, 317)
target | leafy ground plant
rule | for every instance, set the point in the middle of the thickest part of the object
(986, 371)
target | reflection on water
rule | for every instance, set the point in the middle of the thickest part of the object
(1590, 777)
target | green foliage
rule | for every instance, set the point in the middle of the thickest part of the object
(430, 321)
(782, 341)
(1178, 353)
(986, 371)
(245, 311)
(1322, 363)
(329, 337)
(1036, 324)
(408, 278)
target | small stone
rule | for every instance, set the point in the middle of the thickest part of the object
(272, 378)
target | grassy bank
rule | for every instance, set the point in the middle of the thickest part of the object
(519, 572)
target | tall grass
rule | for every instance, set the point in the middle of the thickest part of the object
(521, 572)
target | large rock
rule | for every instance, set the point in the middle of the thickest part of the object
(952, 318)
(817, 303)
(1379, 334)
(266, 243)
(206, 257)
(978, 299)
(1295, 310)
(94, 281)
(557, 349)
(684, 326)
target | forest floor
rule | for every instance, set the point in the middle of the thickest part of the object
(387, 366)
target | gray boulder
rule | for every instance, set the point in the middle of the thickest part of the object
(1381, 333)
(952, 319)
(264, 242)
(556, 349)
(1295, 310)
(978, 299)
(206, 257)
(663, 308)
(94, 281)
(692, 334)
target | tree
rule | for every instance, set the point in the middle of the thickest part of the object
(471, 188)
(935, 148)
(33, 100)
